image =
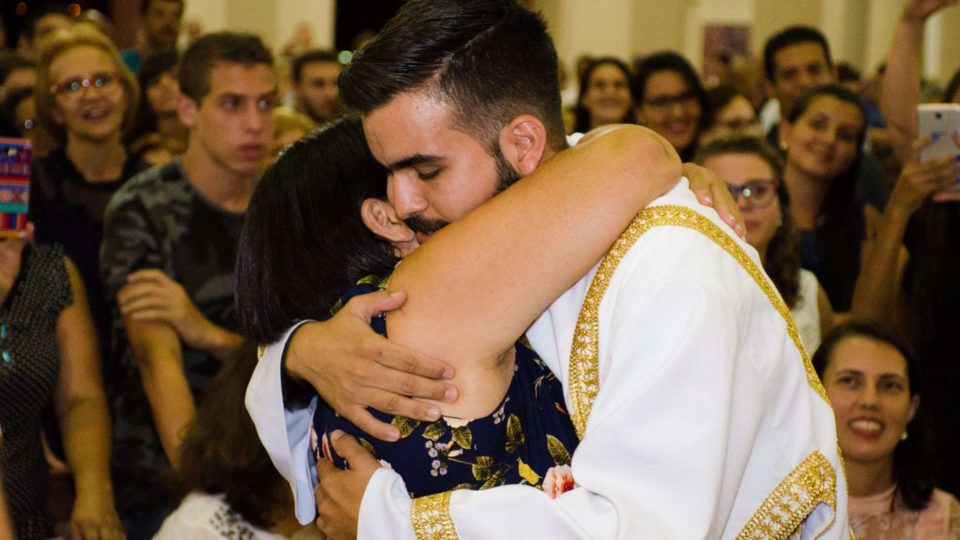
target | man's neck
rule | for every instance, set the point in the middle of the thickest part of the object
(222, 187)
(97, 160)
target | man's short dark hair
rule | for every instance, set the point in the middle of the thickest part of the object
(216, 48)
(309, 57)
(490, 59)
(145, 5)
(792, 35)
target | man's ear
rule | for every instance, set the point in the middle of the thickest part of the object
(379, 216)
(523, 142)
(187, 110)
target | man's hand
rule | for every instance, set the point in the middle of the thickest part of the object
(151, 295)
(712, 191)
(352, 367)
(340, 493)
(95, 518)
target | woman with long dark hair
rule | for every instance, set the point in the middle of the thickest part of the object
(604, 96)
(871, 378)
(670, 100)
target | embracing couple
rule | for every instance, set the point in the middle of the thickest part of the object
(669, 395)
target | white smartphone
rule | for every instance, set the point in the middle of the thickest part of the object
(938, 121)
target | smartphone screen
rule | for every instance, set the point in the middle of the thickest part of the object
(14, 185)
(939, 121)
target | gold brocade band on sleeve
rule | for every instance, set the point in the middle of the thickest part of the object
(584, 370)
(431, 517)
(781, 515)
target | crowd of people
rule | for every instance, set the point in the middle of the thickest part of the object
(194, 323)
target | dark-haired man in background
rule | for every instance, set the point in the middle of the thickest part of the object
(161, 28)
(168, 255)
(315, 91)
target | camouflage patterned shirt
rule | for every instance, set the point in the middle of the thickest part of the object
(158, 220)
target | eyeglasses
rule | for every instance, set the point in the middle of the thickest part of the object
(666, 101)
(759, 193)
(73, 88)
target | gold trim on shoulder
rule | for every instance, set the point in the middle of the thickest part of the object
(782, 514)
(431, 517)
(584, 368)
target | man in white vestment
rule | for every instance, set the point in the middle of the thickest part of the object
(698, 411)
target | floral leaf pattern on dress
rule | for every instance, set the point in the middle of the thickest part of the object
(463, 437)
(557, 450)
(529, 475)
(405, 425)
(515, 437)
(508, 446)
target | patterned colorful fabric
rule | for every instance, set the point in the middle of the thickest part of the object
(526, 440)
(29, 368)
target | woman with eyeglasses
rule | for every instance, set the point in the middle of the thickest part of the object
(753, 170)
(670, 100)
(729, 112)
(85, 97)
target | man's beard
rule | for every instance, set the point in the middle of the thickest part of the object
(506, 177)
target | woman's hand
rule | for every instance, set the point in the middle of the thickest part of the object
(712, 191)
(920, 179)
(94, 517)
(11, 250)
(151, 295)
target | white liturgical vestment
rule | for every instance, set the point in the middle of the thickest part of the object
(699, 412)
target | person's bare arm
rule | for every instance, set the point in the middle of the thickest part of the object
(156, 349)
(901, 80)
(477, 284)
(151, 295)
(877, 286)
(81, 407)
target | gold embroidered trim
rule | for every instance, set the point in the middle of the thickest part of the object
(431, 517)
(781, 515)
(584, 372)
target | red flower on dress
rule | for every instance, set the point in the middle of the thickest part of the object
(557, 481)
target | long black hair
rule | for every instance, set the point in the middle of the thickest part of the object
(581, 114)
(671, 61)
(913, 471)
(840, 219)
(303, 243)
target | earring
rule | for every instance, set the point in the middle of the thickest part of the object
(783, 146)
(903, 437)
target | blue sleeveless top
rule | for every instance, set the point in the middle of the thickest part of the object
(529, 432)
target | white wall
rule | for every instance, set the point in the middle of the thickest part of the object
(859, 31)
(273, 20)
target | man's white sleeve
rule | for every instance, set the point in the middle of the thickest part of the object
(284, 433)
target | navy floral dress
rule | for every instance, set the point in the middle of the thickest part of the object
(527, 435)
